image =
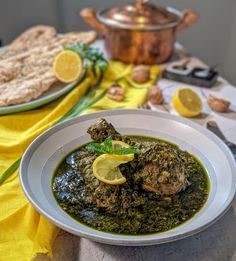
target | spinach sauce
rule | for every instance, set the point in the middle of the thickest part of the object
(144, 213)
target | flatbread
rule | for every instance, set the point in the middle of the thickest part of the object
(33, 37)
(25, 73)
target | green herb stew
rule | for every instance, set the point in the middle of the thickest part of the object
(164, 185)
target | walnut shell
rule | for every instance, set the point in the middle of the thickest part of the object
(155, 95)
(140, 74)
(218, 104)
(116, 92)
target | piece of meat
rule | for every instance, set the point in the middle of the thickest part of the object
(160, 168)
(102, 130)
(105, 196)
(163, 171)
(162, 182)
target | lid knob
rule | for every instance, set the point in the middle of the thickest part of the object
(142, 1)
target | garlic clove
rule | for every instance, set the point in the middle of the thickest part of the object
(155, 95)
(217, 104)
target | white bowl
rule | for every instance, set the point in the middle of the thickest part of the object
(44, 154)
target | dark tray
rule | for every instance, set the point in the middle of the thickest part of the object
(192, 77)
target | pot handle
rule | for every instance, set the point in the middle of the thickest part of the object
(190, 17)
(89, 16)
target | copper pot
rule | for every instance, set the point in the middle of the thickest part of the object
(140, 33)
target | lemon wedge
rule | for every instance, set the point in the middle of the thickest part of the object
(67, 66)
(187, 102)
(105, 168)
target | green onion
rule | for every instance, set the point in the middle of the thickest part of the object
(10, 170)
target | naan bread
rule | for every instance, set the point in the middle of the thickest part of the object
(25, 73)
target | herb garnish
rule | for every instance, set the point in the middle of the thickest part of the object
(106, 148)
(92, 55)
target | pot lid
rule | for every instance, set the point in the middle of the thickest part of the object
(141, 16)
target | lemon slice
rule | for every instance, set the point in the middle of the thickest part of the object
(105, 168)
(67, 66)
(117, 144)
(187, 102)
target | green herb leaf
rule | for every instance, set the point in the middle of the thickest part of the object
(106, 148)
(108, 145)
(96, 148)
(92, 55)
(101, 64)
(124, 151)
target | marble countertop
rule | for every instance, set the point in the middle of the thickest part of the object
(218, 242)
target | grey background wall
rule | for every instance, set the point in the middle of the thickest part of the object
(213, 38)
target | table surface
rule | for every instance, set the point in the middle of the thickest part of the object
(217, 242)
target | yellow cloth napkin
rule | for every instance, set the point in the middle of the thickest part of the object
(135, 94)
(23, 232)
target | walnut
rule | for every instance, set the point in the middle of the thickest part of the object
(141, 74)
(155, 95)
(116, 92)
(218, 104)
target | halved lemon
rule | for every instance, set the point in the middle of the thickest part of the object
(187, 102)
(67, 66)
(106, 168)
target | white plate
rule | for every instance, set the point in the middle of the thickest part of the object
(47, 150)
